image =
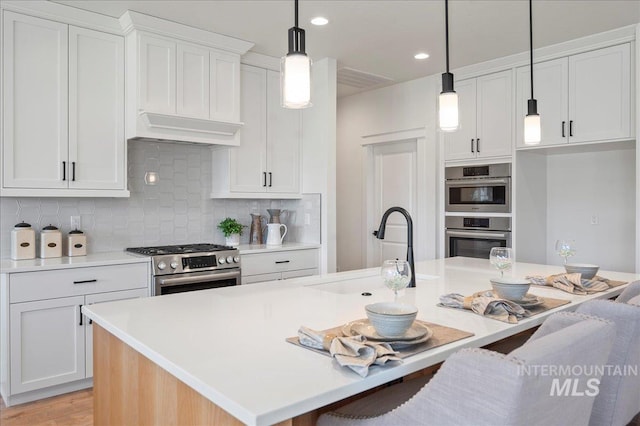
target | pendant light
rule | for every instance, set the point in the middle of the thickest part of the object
(295, 70)
(532, 134)
(448, 100)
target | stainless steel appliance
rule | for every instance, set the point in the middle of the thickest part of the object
(478, 188)
(181, 268)
(475, 236)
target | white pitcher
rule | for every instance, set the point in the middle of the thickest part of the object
(274, 238)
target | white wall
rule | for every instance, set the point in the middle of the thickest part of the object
(319, 154)
(581, 185)
(403, 106)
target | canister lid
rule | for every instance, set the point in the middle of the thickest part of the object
(50, 227)
(76, 231)
(23, 225)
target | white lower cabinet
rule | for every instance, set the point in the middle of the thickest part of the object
(279, 265)
(50, 342)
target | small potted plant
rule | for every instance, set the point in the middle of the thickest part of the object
(232, 229)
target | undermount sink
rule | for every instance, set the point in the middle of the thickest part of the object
(369, 284)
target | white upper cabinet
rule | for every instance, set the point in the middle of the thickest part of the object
(267, 162)
(600, 94)
(96, 110)
(63, 110)
(485, 108)
(35, 102)
(581, 98)
(157, 62)
(183, 84)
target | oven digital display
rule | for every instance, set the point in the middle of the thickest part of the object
(475, 171)
(197, 262)
(476, 222)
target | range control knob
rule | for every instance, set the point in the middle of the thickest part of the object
(236, 259)
(174, 265)
(229, 259)
(162, 265)
(222, 260)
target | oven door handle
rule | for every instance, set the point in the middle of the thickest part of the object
(475, 182)
(475, 234)
(169, 281)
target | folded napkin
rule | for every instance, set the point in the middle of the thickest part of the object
(486, 304)
(354, 352)
(573, 283)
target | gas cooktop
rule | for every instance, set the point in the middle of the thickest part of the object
(179, 249)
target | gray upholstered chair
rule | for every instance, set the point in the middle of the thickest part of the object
(619, 397)
(480, 387)
(632, 292)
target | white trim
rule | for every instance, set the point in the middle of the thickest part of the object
(63, 192)
(64, 14)
(261, 61)
(571, 47)
(636, 89)
(394, 136)
(131, 20)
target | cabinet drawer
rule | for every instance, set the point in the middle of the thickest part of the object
(26, 286)
(300, 273)
(279, 261)
(252, 279)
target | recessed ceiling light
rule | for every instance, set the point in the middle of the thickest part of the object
(421, 55)
(319, 20)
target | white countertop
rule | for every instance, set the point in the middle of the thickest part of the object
(8, 266)
(229, 343)
(263, 248)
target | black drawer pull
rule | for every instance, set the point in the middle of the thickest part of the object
(264, 179)
(80, 314)
(283, 261)
(472, 145)
(478, 145)
(73, 170)
(564, 135)
(270, 179)
(570, 127)
(64, 170)
(85, 281)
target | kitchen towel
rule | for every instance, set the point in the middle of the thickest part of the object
(574, 284)
(486, 304)
(354, 352)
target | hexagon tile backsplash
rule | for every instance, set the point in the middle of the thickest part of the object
(176, 210)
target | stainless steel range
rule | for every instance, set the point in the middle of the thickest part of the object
(191, 267)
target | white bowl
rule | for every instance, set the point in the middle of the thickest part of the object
(391, 319)
(510, 288)
(586, 270)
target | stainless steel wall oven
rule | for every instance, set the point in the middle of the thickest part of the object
(475, 236)
(478, 188)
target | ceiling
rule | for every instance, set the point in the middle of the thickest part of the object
(381, 36)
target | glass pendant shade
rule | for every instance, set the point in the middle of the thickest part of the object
(448, 111)
(295, 74)
(532, 133)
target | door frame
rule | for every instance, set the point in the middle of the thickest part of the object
(424, 220)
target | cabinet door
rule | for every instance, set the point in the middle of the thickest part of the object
(459, 145)
(96, 110)
(35, 102)
(551, 86)
(494, 115)
(283, 141)
(99, 298)
(47, 343)
(157, 60)
(193, 81)
(224, 95)
(247, 163)
(599, 94)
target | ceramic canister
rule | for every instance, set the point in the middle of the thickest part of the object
(50, 242)
(76, 243)
(23, 242)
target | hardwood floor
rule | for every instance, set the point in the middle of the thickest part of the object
(72, 409)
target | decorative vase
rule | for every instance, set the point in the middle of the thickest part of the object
(233, 240)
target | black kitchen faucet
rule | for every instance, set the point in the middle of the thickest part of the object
(379, 234)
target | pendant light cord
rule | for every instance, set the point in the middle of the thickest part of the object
(446, 29)
(530, 42)
(296, 13)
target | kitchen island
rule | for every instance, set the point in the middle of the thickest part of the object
(220, 356)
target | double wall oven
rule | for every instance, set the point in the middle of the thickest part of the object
(472, 195)
(190, 267)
